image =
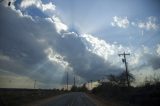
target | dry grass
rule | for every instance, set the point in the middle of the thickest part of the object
(102, 102)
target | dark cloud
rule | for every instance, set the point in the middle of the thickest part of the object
(154, 61)
(148, 60)
(93, 67)
(19, 41)
(84, 63)
(19, 37)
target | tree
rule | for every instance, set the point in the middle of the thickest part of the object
(74, 89)
(120, 79)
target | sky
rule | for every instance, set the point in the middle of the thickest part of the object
(42, 40)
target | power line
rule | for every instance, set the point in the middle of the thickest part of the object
(126, 66)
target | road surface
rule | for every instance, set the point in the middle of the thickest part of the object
(70, 99)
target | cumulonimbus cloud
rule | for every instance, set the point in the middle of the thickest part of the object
(37, 49)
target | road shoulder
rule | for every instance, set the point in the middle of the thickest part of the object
(101, 102)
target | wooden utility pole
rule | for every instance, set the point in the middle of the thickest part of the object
(34, 84)
(74, 81)
(67, 80)
(126, 65)
(91, 84)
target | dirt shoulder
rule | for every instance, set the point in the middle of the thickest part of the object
(40, 102)
(101, 102)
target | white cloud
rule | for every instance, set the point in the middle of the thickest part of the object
(97, 46)
(136, 57)
(158, 49)
(150, 24)
(27, 3)
(120, 22)
(59, 25)
(103, 49)
(47, 9)
(48, 6)
(56, 58)
(38, 3)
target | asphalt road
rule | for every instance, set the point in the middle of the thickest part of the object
(71, 99)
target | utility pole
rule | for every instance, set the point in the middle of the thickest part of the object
(88, 84)
(67, 80)
(91, 84)
(74, 81)
(126, 65)
(34, 84)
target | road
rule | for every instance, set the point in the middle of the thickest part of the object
(71, 99)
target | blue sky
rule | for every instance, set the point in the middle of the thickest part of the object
(42, 39)
(94, 16)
